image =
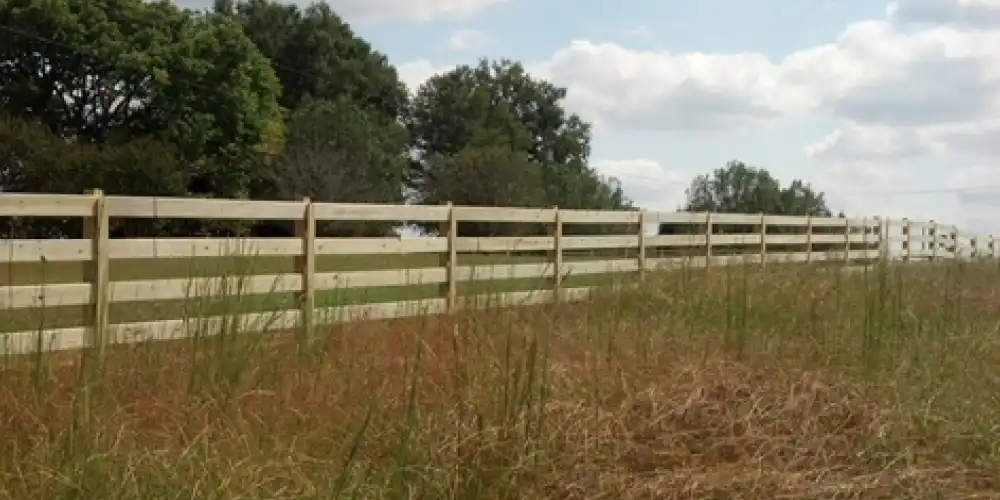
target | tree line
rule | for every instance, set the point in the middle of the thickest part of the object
(257, 99)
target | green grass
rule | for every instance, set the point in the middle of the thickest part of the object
(791, 382)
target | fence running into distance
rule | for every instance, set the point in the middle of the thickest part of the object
(97, 290)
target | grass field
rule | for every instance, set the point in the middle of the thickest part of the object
(791, 383)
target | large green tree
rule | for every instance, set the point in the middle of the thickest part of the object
(113, 71)
(316, 54)
(498, 104)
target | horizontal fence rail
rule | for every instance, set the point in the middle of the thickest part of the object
(98, 290)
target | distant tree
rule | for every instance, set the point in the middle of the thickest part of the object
(739, 188)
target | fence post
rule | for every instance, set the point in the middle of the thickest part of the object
(557, 255)
(847, 241)
(305, 229)
(864, 238)
(763, 240)
(907, 231)
(642, 245)
(883, 237)
(95, 229)
(449, 229)
(708, 240)
(809, 239)
(934, 241)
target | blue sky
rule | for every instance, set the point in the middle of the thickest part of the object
(891, 108)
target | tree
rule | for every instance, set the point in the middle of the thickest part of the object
(111, 71)
(486, 176)
(316, 54)
(35, 160)
(739, 188)
(499, 104)
(338, 152)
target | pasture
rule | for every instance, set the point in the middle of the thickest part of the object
(794, 382)
(786, 363)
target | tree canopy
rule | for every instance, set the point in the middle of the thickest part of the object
(316, 54)
(498, 104)
(740, 188)
(113, 71)
(261, 99)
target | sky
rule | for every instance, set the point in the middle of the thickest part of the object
(891, 109)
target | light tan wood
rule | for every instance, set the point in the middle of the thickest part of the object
(22, 251)
(736, 239)
(763, 239)
(708, 239)
(740, 219)
(490, 214)
(380, 246)
(907, 239)
(376, 212)
(641, 259)
(504, 244)
(305, 229)
(45, 205)
(809, 238)
(201, 208)
(450, 261)
(600, 216)
(47, 295)
(96, 229)
(181, 248)
(557, 255)
(786, 220)
(847, 241)
(448, 275)
(678, 240)
(787, 239)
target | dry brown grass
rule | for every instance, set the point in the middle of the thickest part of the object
(794, 383)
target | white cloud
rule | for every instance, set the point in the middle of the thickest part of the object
(411, 10)
(611, 84)
(648, 183)
(854, 143)
(918, 87)
(467, 40)
(415, 73)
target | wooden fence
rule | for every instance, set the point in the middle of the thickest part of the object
(94, 291)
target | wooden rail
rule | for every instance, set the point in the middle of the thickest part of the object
(550, 261)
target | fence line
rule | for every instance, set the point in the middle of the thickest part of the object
(550, 259)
